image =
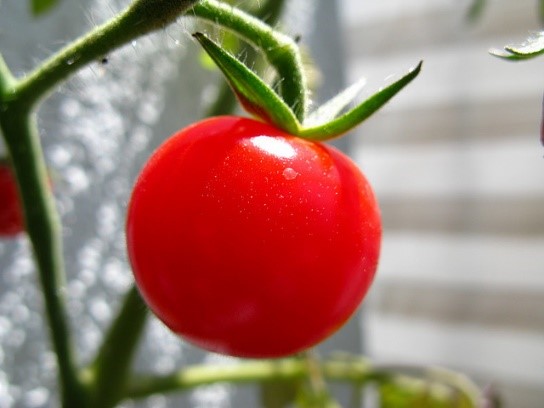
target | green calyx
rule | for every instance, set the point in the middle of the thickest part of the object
(328, 121)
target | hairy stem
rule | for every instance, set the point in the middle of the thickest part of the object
(43, 228)
(6, 79)
(280, 50)
(141, 17)
(225, 102)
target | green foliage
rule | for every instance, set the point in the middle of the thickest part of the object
(530, 48)
(40, 7)
(256, 97)
(328, 122)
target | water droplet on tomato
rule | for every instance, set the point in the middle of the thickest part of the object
(290, 173)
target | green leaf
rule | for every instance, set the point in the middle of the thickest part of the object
(325, 123)
(332, 108)
(229, 41)
(254, 94)
(476, 9)
(361, 112)
(41, 6)
(530, 48)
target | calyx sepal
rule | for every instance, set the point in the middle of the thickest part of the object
(328, 121)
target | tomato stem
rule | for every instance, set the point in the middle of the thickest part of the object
(141, 17)
(6, 79)
(108, 374)
(280, 50)
(442, 389)
(225, 102)
(317, 387)
(42, 224)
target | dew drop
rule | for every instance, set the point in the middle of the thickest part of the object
(290, 173)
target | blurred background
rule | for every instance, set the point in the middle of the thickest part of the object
(455, 160)
(458, 168)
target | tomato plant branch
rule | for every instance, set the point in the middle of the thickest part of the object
(195, 376)
(357, 371)
(280, 50)
(42, 223)
(109, 372)
(141, 17)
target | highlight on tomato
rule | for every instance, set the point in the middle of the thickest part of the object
(250, 242)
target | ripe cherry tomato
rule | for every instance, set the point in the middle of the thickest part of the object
(250, 242)
(11, 216)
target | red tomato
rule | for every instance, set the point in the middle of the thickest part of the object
(11, 216)
(250, 242)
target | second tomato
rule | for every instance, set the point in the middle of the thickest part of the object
(11, 215)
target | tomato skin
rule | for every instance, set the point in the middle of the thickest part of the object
(11, 216)
(250, 242)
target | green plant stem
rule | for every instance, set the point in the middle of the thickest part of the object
(6, 79)
(190, 377)
(270, 12)
(357, 371)
(317, 388)
(225, 102)
(109, 372)
(43, 228)
(141, 17)
(280, 50)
